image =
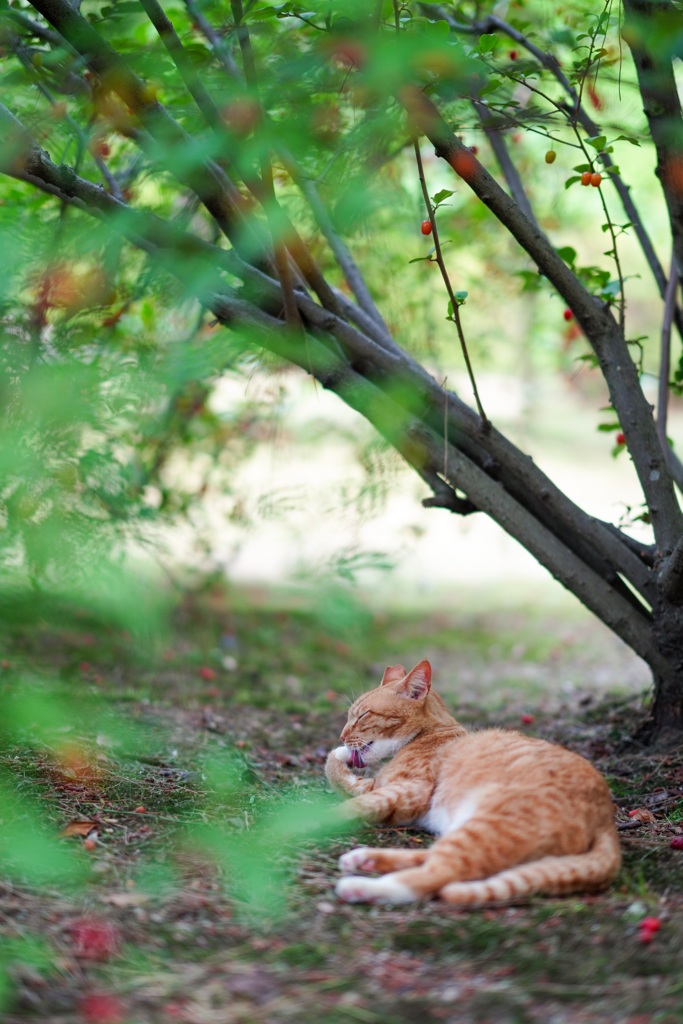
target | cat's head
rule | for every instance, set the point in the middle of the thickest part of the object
(385, 719)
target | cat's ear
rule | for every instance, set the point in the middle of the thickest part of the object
(392, 674)
(417, 683)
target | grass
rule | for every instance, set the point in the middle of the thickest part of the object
(196, 761)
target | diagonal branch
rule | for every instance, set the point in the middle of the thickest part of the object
(606, 339)
(577, 114)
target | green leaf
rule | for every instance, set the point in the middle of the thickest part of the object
(568, 254)
(570, 181)
(492, 85)
(627, 138)
(598, 142)
(443, 194)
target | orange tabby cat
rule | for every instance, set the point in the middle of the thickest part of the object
(514, 815)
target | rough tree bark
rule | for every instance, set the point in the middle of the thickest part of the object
(468, 465)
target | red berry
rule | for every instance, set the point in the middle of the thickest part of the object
(527, 719)
(620, 439)
(426, 227)
(100, 1008)
(464, 164)
(586, 178)
(473, 149)
(207, 673)
(94, 939)
(568, 315)
(676, 843)
(645, 936)
(513, 55)
(650, 924)
(596, 179)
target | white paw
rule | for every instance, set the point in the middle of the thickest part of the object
(342, 754)
(354, 889)
(357, 860)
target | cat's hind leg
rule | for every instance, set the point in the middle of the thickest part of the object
(382, 860)
(459, 856)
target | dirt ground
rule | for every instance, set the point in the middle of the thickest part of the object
(177, 782)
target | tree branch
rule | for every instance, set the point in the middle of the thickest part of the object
(644, 18)
(606, 339)
(575, 112)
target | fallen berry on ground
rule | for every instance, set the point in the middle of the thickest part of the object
(94, 939)
(101, 1008)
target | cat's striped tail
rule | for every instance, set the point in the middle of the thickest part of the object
(554, 876)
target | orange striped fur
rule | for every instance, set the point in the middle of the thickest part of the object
(514, 815)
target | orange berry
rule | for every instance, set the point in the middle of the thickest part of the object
(586, 178)
(464, 164)
(596, 179)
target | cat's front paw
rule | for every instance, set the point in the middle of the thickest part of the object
(357, 860)
(342, 754)
(354, 889)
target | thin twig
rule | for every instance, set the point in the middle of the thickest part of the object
(507, 166)
(485, 422)
(218, 45)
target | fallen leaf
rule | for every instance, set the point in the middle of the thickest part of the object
(125, 899)
(642, 814)
(78, 828)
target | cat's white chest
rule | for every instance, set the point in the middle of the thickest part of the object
(441, 819)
